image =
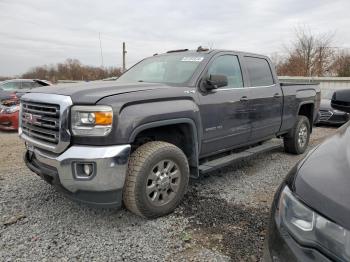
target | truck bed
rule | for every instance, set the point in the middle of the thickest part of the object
(296, 95)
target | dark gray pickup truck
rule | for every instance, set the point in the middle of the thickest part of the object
(137, 140)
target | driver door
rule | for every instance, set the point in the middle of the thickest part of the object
(224, 111)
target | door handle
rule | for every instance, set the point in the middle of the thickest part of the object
(244, 98)
(277, 95)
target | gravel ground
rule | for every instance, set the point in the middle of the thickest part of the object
(223, 216)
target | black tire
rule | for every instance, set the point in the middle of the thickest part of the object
(144, 164)
(292, 144)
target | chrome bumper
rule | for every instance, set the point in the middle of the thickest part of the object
(110, 165)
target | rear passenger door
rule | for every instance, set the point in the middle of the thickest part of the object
(266, 98)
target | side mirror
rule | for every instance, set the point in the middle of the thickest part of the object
(215, 81)
(341, 100)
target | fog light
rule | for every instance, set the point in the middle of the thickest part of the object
(88, 169)
(84, 170)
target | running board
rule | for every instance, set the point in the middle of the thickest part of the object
(235, 157)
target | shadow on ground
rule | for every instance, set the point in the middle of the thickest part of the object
(236, 230)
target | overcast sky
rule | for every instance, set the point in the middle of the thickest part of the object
(37, 32)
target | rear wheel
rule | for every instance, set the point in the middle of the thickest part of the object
(297, 140)
(157, 179)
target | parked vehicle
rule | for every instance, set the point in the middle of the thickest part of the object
(14, 88)
(9, 115)
(10, 93)
(329, 115)
(139, 138)
(311, 209)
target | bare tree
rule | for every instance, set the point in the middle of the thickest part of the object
(309, 54)
(276, 58)
(341, 64)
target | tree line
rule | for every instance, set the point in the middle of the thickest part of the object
(313, 55)
(71, 69)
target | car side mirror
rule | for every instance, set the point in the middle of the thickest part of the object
(215, 81)
(341, 100)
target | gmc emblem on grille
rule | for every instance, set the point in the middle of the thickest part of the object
(30, 118)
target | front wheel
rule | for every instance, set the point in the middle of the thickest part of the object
(157, 179)
(297, 140)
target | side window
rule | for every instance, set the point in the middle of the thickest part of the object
(17, 84)
(227, 65)
(259, 71)
(26, 85)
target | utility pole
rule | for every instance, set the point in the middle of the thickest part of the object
(124, 53)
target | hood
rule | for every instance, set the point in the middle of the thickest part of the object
(325, 104)
(91, 92)
(323, 180)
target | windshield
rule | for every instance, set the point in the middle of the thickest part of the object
(170, 69)
(327, 94)
(10, 86)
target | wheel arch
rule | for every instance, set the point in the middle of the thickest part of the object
(307, 109)
(190, 145)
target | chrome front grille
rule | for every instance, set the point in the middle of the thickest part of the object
(325, 115)
(44, 121)
(41, 121)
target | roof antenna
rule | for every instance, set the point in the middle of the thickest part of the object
(99, 37)
(202, 49)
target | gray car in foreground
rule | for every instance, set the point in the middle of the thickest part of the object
(137, 140)
(310, 214)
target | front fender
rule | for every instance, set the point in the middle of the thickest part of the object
(136, 117)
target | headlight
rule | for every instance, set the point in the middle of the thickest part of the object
(9, 109)
(311, 229)
(91, 120)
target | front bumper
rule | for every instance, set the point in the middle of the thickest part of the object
(334, 119)
(9, 121)
(103, 188)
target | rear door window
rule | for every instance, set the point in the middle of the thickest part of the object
(259, 71)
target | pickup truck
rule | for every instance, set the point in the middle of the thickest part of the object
(138, 139)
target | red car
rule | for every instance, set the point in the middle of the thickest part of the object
(10, 92)
(9, 116)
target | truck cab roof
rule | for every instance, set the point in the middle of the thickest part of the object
(207, 51)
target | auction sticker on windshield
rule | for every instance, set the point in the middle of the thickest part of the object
(192, 59)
